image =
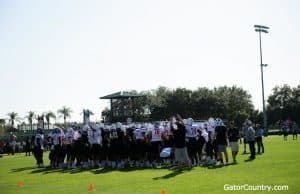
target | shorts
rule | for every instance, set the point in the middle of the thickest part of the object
(192, 146)
(96, 149)
(104, 152)
(294, 132)
(58, 152)
(181, 154)
(221, 148)
(234, 146)
(140, 147)
(70, 152)
(155, 147)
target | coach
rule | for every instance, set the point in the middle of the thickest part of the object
(179, 131)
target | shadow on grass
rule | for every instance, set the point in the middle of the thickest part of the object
(249, 160)
(170, 175)
(214, 167)
(48, 170)
(174, 172)
(127, 169)
(23, 169)
(45, 170)
(245, 153)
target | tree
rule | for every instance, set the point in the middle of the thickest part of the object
(30, 118)
(296, 103)
(2, 126)
(284, 103)
(179, 101)
(141, 106)
(232, 103)
(65, 112)
(48, 116)
(158, 103)
(203, 103)
(105, 114)
(13, 116)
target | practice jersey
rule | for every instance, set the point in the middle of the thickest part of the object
(95, 136)
(57, 138)
(140, 133)
(38, 141)
(211, 131)
(77, 135)
(167, 130)
(156, 133)
(113, 134)
(69, 137)
(191, 131)
(204, 134)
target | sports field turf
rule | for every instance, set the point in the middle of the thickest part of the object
(280, 165)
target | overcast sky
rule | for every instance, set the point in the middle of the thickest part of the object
(56, 53)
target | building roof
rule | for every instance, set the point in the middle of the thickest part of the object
(121, 94)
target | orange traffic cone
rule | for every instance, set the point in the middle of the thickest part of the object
(19, 184)
(91, 187)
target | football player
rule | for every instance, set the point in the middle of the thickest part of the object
(39, 148)
(69, 144)
(96, 141)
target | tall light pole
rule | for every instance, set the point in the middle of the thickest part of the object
(264, 29)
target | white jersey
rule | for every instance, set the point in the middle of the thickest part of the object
(204, 134)
(39, 140)
(69, 137)
(113, 134)
(77, 135)
(95, 136)
(191, 131)
(57, 137)
(156, 133)
(140, 133)
(211, 130)
(167, 130)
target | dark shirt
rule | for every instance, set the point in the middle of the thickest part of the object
(179, 135)
(233, 134)
(221, 135)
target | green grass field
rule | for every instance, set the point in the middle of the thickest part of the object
(280, 165)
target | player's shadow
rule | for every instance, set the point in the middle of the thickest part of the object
(46, 170)
(173, 173)
(249, 160)
(49, 170)
(23, 169)
(102, 170)
(214, 167)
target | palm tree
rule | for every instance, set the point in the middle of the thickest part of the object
(2, 122)
(30, 118)
(12, 118)
(65, 112)
(48, 116)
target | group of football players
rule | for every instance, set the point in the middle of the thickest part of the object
(118, 145)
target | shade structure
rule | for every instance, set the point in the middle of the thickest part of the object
(123, 96)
